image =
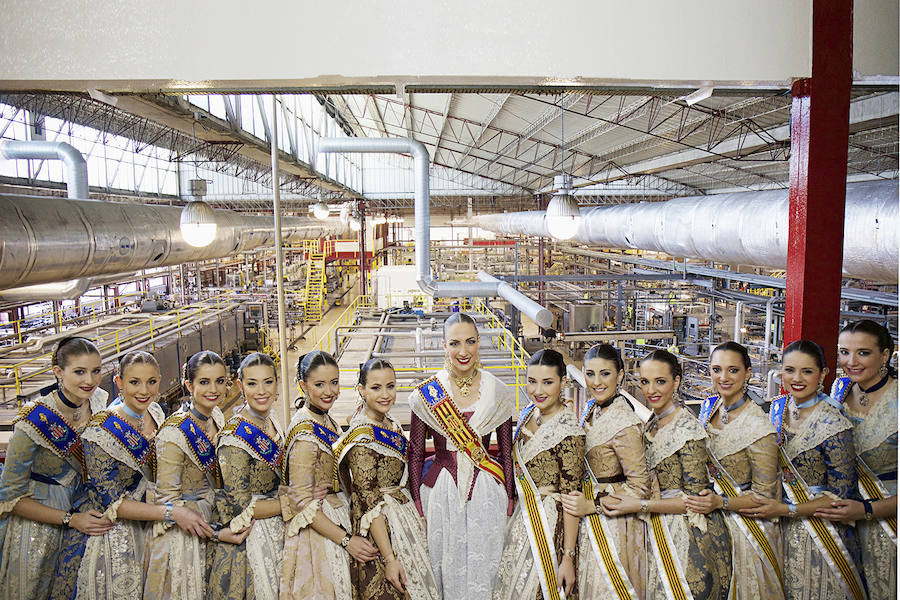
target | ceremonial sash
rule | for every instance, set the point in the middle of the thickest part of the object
(668, 564)
(776, 414)
(540, 536)
(367, 433)
(603, 545)
(872, 489)
(261, 444)
(444, 411)
(840, 387)
(134, 442)
(823, 533)
(324, 434)
(202, 448)
(53, 428)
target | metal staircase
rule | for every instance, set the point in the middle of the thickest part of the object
(315, 285)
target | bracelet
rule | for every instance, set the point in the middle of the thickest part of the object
(570, 553)
(598, 507)
(167, 515)
(67, 518)
(645, 507)
(792, 510)
(867, 505)
(346, 541)
(724, 501)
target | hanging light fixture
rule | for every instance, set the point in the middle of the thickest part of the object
(563, 215)
(345, 213)
(355, 223)
(198, 220)
(321, 210)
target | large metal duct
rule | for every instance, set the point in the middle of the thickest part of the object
(749, 228)
(75, 165)
(45, 239)
(422, 205)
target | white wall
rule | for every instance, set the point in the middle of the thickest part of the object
(74, 44)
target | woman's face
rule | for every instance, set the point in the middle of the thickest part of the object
(800, 375)
(208, 387)
(728, 373)
(461, 347)
(543, 385)
(80, 377)
(321, 386)
(139, 384)
(602, 378)
(379, 391)
(260, 387)
(658, 384)
(860, 358)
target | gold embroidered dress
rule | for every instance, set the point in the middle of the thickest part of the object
(747, 449)
(251, 570)
(35, 468)
(176, 561)
(377, 479)
(700, 544)
(554, 457)
(314, 567)
(614, 451)
(875, 439)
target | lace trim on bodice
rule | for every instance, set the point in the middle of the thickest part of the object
(879, 424)
(361, 419)
(305, 415)
(670, 438)
(100, 436)
(742, 430)
(550, 433)
(602, 427)
(824, 422)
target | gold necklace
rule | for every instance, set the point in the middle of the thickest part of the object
(463, 383)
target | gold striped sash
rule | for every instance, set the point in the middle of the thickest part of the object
(748, 526)
(673, 578)
(604, 547)
(539, 534)
(823, 533)
(872, 489)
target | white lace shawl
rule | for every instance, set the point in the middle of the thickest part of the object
(742, 430)
(602, 427)
(822, 423)
(173, 435)
(670, 438)
(880, 423)
(494, 406)
(550, 433)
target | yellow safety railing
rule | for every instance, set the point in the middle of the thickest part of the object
(117, 339)
(325, 340)
(68, 313)
(518, 356)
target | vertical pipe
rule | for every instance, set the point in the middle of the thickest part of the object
(738, 319)
(712, 322)
(279, 267)
(768, 342)
(471, 241)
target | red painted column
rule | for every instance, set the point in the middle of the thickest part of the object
(820, 117)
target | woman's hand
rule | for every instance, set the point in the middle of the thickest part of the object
(91, 522)
(577, 505)
(192, 522)
(843, 510)
(393, 572)
(565, 575)
(704, 503)
(617, 505)
(319, 492)
(362, 549)
(766, 508)
(229, 537)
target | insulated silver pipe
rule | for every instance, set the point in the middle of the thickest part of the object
(437, 289)
(749, 228)
(46, 239)
(76, 166)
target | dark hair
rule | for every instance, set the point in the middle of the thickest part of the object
(606, 352)
(195, 361)
(307, 363)
(664, 356)
(70, 347)
(879, 331)
(809, 348)
(458, 318)
(731, 346)
(138, 357)
(373, 364)
(549, 358)
(256, 359)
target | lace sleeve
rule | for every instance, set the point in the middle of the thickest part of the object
(504, 444)
(694, 476)
(235, 494)
(840, 464)
(416, 457)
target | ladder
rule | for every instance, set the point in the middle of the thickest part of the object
(315, 285)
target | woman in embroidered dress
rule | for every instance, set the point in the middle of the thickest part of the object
(186, 476)
(615, 454)
(118, 459)
(373, 470)
(318, 537)
(41, 479)
(465, 507)
(818, 442)
(744, 442)
(868, 397)
(549, 449)
(676, 455)
(249, 451)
